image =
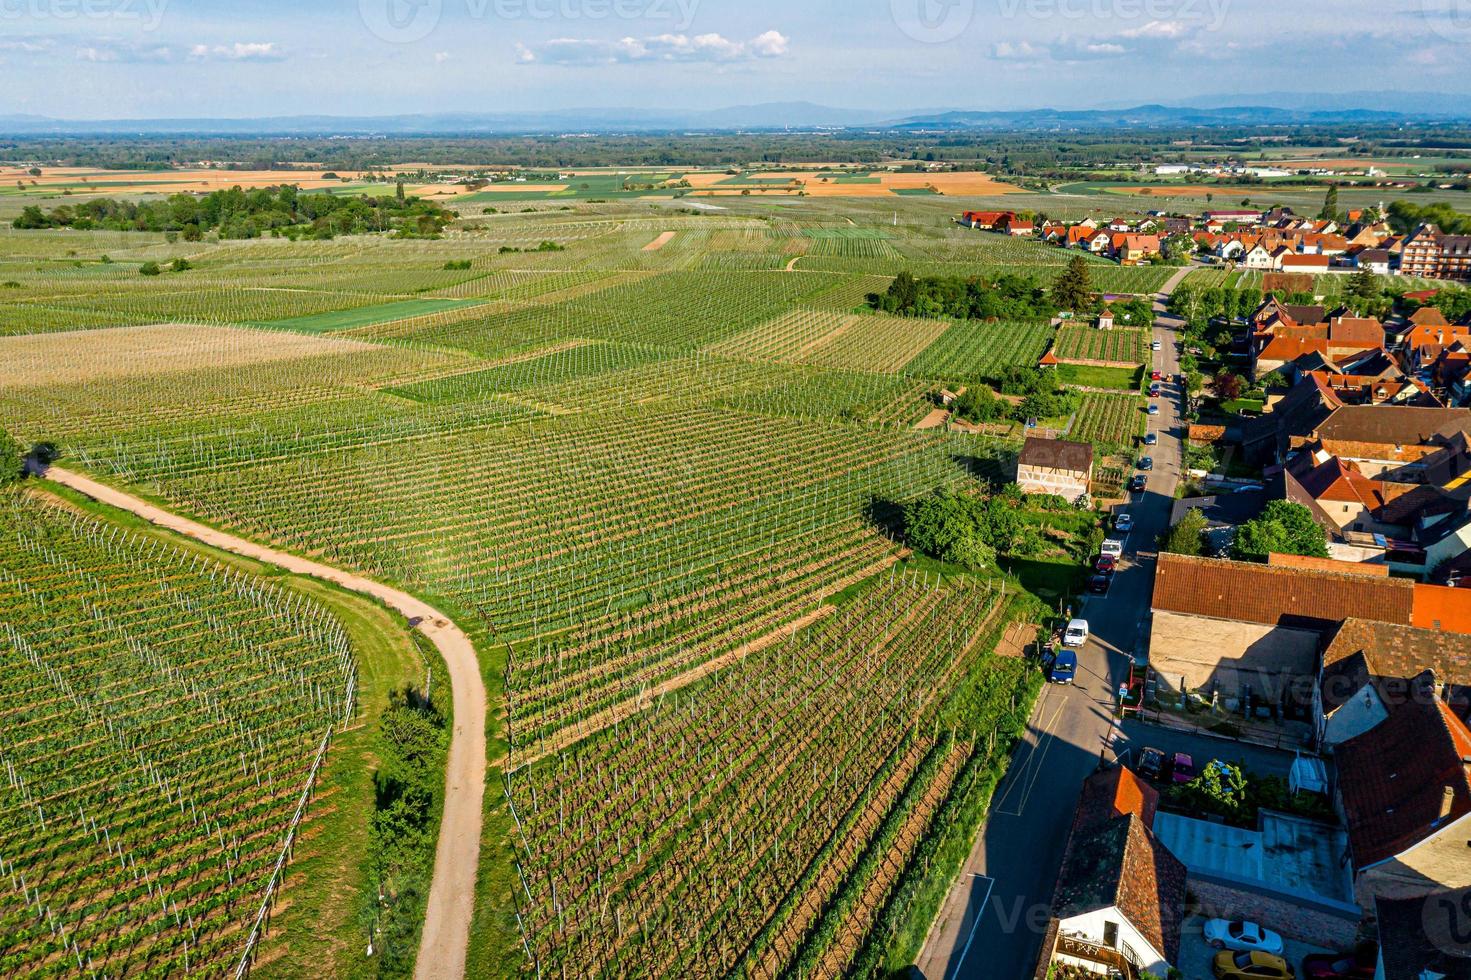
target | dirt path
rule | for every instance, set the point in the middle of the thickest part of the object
(659, 242)
(792, 265)
(452, 893)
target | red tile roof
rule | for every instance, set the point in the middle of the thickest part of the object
(1114, 793)
(1393, 778)
(1276, 596)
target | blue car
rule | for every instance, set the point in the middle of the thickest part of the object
(1064, 667)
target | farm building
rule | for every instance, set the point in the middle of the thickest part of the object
(1055, 466)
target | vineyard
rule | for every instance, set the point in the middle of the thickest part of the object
(652, 482)
(1120, 346)
(202, 696)
(1113, 422)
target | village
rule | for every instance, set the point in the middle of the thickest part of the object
(1285, 787)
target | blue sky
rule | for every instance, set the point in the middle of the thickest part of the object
(151, 58)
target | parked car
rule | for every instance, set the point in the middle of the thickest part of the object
(1153, 409)
(1361, 964)
(1151, 762)
(1113, 547)
(1152, 438)
(1106, 565)
(1156, 376)
(1098, 584)
(1139, 484)
(1182, 768)
(1250, 966)
(1076, 634)
(1064, 667)
(1124, 522)
(1146, 463)
(1238, 935)
(1156, 346)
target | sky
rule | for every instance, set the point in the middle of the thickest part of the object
(119, 59)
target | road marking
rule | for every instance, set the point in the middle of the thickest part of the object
(1029, 775)
(990, 884)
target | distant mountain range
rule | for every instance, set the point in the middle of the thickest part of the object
(1262, 109)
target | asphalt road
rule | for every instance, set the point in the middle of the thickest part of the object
(991, 925)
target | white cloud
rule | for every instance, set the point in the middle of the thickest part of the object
(239, 51)
(124, 52)
(440, 57)
(1166, 29)
(707, 48)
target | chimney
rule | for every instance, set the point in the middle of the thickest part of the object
(1447, 803)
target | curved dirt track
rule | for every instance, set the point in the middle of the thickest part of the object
(457, 857)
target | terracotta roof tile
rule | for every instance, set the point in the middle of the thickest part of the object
(1394, 777)
(1276, 596)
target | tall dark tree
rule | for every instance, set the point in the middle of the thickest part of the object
(1073, 289)
(1330, 205)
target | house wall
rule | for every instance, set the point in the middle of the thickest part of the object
(1226, 656)
(1291, 919)
(1354, 717)
(1435, 864)
(1090, 927)
(1068, 484)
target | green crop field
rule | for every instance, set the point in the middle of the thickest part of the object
(733, 722)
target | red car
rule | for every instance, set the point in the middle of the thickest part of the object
(1107, 565)
(1361, 965)
(1182, 768)
(1156, 376)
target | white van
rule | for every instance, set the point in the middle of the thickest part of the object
(1112, 548)
(1077, 633)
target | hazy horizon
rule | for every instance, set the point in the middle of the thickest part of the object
(150, 59)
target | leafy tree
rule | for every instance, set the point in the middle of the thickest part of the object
(149, 269)
(1284, 528)
(1228, 386)
(1073, 289)
(12, 461)
(965, 530)
(1186, 537)
(980, 404)
(1364, 285)
(181, 265)
(1219, 789)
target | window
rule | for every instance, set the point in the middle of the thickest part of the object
(1111, 934)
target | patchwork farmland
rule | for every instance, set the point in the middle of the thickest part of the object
(734, 718)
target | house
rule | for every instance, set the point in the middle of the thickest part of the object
(1404, 793)
(1100, 243)
(1241, 217)
(1367, 667)
(1337, 490)
(1388, 442)
(1376, 260)
(1137, 248)
(1105, 320)
(1080, 236)
(1055, 466)
(1429, 253)
(983, 220)
(1258, 256)
(1302, 263)
(1120, 897)
(1251, 633)
(1017, 227)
